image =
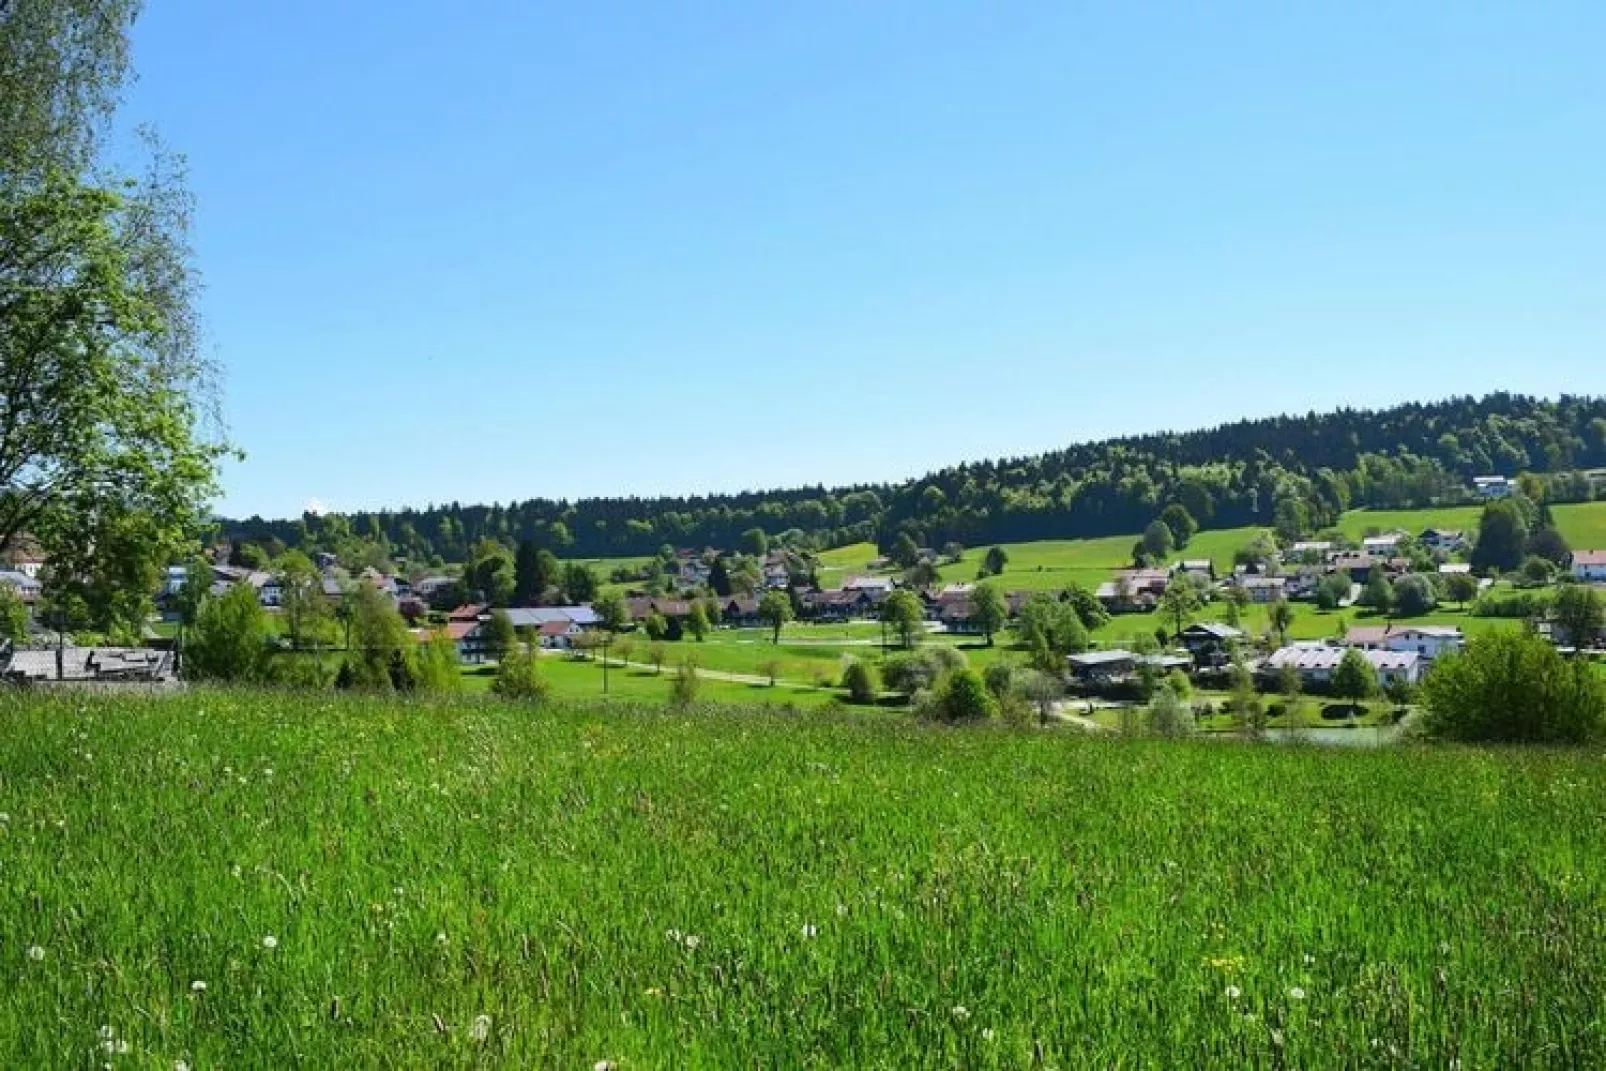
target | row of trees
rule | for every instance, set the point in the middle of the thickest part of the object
(1296, 473)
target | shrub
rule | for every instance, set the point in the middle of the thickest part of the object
(1169, 715)
(1512, 604)
(1415, 595)
(687, 683)
(1513, 686)
(963, 696)
(519, 677)
(1000, 678)
(860, 681)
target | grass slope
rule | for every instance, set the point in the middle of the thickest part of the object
(751, 890)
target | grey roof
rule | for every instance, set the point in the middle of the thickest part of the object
(1217, 629)
(536, 616)
(89, 663)
(1101, 658)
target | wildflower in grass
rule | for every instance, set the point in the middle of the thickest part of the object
(842, 911)
(440, 938)
(692, 941)
(181, 1065)
(4, 818)
(604, 1065)
(1296, 993)
(961, 1013)
(1233, 992)
(673, 936)
(1310, 960)
(481, 1028)
(36, 953)
(197, 986)
(987, 1034)
(810, 931)
(270, 942)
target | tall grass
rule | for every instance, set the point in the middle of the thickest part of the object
(476, 884)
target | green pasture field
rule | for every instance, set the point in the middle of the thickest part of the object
(242, 879)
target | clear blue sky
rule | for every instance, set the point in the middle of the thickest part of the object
(487, 251)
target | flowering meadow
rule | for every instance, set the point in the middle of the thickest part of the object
(220, 879)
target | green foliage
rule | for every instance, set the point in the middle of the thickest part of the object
(1547, 543)
(1180, 600)
(1157, 541)
(859, 678)
(1041, 690)
(684, 688)
(656, 626)
(381, 646)
(1050, 629)
(999, 678)
(1378, 594)
(1168, 715)
(754, 543)
(905, 552)
(775, 610)
(498, 635)
(303, 606)
(518, 677)
(1460, 588)
(1511, 603)
(962, 695)
(611, 607)
(1537, 571)
(229, 641)
(995, 561)
(13, 615)
(1502, 538)
(1513, 686)
(1415, 595)
(490, 571)
(697, 621)
(1181, 523)
(1355, 679)
(1580, 613)
(987, 610)
(536, 570)
(436, 666)
(915, 671)
(579, 583)
(903, 614)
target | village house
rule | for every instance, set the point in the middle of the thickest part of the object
(1312, 548)
(1133, 590)
(875, 584)
(1427, 641)
(1211, 643)
(1447, 540)
(28, 589)
(1589, 566)
(1386, 545)
(1358, 566)
(1202, 569)
(1117, 666)
(1262, 589)
(1315, 663)
(739, 611)
(1491, 487)
(837, 606)
(88, 666)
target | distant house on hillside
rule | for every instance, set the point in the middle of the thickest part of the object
(1589, 566)
(1385, 545)
(1426, 641)
(1262, 589)
(1315, 663)
(1133, 590)
(1491, 487)
(27, 589)
(1202, 569)
(1210, 643)
(1445, 539)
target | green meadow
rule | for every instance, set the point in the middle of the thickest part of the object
(255, 880)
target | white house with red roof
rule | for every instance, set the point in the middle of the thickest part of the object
(1589, 566)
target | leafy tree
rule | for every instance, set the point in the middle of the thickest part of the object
(987, 610)
(1183, 527)
(1460, 588)
(1512, 686)
(1180, 600)
(999, 678)
(902, 613)
(657, 627)
(305, 609)
(1087, 606)
(1042, 690)
(13, 615)
(490, 571)
(1502, 538)
(1355, 679)
(1157, 542)
(611, 607)
(754, 543)
(775, 610)
(922, 576)
(656, 654)
(687, 683)
(579, 583)
(1291, 519)
(697, 621)
(435, 663)
(499, 636)
(1333, 589)
(381, 645)
(1280, 615)
(859, 678)
(1537, 571)
(1248, 711)
(719, 578)
(1168, 715)
(1547, 543)
(230, 639)
(1379, 592)
(963, 696)
(536, 571)
(518, 677)
(995, 561)
(1415, 595)
(1580, 613)
(1050, 630)
(771, 668)
(905, 553)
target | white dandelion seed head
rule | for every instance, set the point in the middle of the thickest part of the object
(961, 1012)
(673, 936)
(842, 911)
(36, 953)
(270, 942)
(987, 1034)
(1233, 992)
(692, 941)
(4, 818)
(1444, 948)
(1309, 959)
(810, 931)
(197, 986)
(105, 1033)
(481, 1028)
(440, 938)
(1296, 993)
(180, 1065)
(604, 1065)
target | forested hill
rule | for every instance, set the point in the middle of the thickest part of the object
(1310, 468)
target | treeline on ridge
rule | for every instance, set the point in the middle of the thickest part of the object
(1242, 473)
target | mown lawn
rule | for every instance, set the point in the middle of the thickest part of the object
(266, 881)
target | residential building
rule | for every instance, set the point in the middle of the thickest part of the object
(881, 584)
(1116, 666)
(1386, 545)
(1211, 643)
(1201, 568)
(27, 588)
(1589, 566)
(1490, 487)
(1262, 589)
(1426, 641)
(88, 666)
(1307, 548)
(1315, 663)
(1134, 589)
(1445, 539)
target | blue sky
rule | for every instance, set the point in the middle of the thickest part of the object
(495, 250)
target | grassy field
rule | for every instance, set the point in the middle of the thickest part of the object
(241, 880)
(1582, 524)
